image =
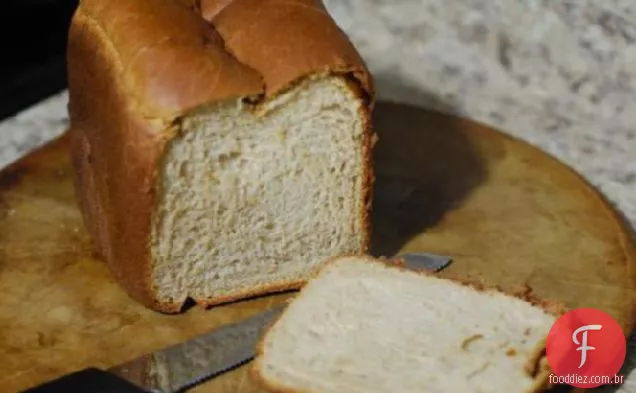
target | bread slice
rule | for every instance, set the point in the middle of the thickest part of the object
(218, 158)
(365, 326)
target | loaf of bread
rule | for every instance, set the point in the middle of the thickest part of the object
(363, 326)
(221, 148)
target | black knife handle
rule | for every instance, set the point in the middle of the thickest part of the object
(90, 380)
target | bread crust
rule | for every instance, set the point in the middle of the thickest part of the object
(537, 365)
(135, 67)
(284, 39)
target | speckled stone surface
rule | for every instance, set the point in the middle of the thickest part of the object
(560, 74)
(32, 128)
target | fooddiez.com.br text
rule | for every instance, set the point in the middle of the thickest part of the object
(570, 379)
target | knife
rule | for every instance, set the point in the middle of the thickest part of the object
(183, 366)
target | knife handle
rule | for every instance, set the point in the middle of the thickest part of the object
(89, 380)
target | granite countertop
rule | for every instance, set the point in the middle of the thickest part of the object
(559, 74)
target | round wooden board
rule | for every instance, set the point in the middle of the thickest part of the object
(507, 213)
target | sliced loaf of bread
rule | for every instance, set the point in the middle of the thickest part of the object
(364, 326)
(221, 148)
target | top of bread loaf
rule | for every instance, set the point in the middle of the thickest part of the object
(174, 55)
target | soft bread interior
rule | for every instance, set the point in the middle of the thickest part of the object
(364, 327)
(252, 199)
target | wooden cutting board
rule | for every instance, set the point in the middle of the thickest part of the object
(507, 213)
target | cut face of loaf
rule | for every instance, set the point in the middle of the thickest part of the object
(256, 198)
(363, 326)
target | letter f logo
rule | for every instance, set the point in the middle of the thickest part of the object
(583, 344)
(568, 346)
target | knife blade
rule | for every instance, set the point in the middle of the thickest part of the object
(184, 365)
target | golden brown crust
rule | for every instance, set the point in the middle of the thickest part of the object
(537, 365)
(169, 59)
(286, 39)
(101, 116)
(367, 189)
(136, 66)
(369, 140)
(210, 8)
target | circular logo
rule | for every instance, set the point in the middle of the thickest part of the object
(585, 348)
